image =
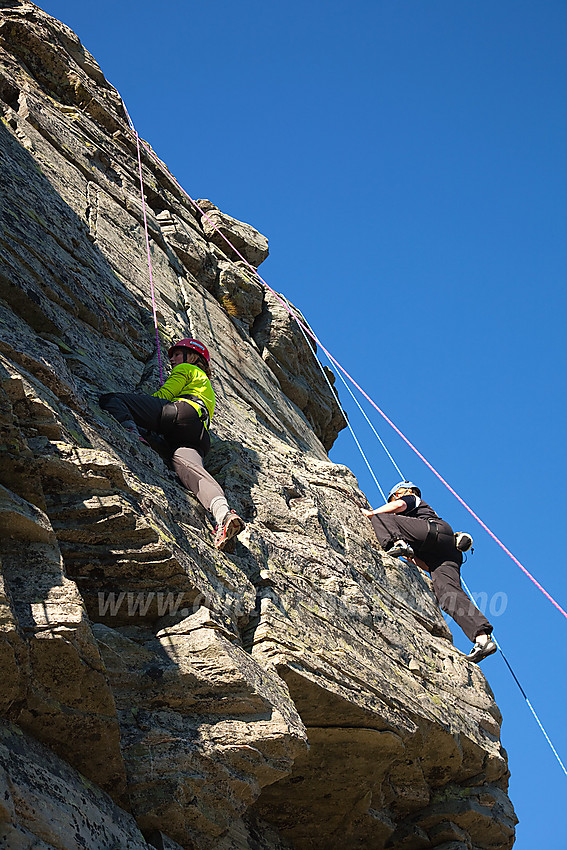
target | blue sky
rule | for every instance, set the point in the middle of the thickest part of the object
(407, 161)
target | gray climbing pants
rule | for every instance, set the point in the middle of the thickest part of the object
(188, 465)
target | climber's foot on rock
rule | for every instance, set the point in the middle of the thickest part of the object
(401, 549)
(231, 525)
(482, 650)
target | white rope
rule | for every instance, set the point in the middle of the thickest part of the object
(400, 473)
(525, 696)
(335, 396)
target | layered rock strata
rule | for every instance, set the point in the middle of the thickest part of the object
(300, 691)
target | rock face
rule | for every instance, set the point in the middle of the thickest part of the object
(299, 692)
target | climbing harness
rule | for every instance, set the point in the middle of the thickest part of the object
(168, 418)
(203, 411)
(430, 541)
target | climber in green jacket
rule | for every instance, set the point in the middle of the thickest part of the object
(181, 411)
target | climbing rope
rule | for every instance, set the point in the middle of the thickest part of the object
(399, 471)
(525, 696)
(522, 691)
(148, 247)
(335, 396)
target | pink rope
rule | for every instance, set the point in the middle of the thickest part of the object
(148, 250)
(359, 388)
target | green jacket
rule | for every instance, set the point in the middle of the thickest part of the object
(187, 379)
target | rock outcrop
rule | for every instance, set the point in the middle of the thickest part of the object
(301, 691)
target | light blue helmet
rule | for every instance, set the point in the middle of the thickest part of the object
(404, 485)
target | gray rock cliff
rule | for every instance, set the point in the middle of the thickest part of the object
(300, 691)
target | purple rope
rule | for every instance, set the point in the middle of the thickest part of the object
(148, 249)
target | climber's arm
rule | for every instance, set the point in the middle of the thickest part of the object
(173, 387)
(395, 507)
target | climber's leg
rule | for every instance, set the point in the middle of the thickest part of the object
(390, 528)
(188, 465)
(143, 410)
(446, 579)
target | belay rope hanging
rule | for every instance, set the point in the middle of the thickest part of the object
(307, 332)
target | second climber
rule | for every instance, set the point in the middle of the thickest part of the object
(408, 527)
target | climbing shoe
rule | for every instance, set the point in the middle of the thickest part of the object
(137, 436)
(231, 525)
(482, 650)
(131, 428)
(401, 549)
